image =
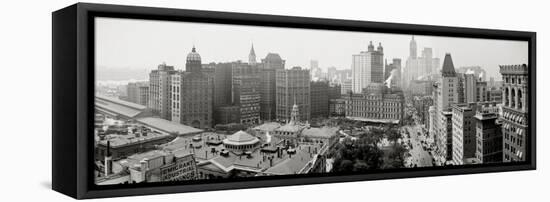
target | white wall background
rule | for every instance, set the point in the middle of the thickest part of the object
(25, 62)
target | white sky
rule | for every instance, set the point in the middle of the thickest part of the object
(143, 44)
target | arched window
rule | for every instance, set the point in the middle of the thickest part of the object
(506, 97)
(520, 97)
(513, 98)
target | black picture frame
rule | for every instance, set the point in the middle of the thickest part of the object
(73, 97)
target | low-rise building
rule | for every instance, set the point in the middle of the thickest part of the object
(337, 107)
(152, 166)
(376, 104)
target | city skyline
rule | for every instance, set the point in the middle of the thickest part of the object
(127, 42)
(222, 115)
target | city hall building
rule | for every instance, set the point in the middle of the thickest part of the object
(376, 104)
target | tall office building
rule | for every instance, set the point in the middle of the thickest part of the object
(416, 68)
(367, 67)
(222, 84)
(392, 73)
(478, 71)
(293, 87)
(469, 87)
(514, 111)
(159, 90)
(464, 132)
(319, 99)
(246, 91)
(192, 94)
(331, 74)
(446, 94)
(488, 133)
(314, 70)
(412, 48)
(270, 64)
(347, 86)
(138, 92)
(334, 91)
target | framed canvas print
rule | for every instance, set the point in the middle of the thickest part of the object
(156, 100)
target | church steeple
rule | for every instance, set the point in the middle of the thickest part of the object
(295, 114)
(252, 56)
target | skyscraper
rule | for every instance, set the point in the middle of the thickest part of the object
(412, 48)
(138, 92)
(514, 111)
(319, 98)
(478, 71)
(392, 73)
(222, 84)
(416, 68)
(293, 87)
(314, 69)
(446, 94)
(464, 132)
(192, 94)
(246, 91)
(367, 67)
(270, 64)
(159, 90)
(489, 134)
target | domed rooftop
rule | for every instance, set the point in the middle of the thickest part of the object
(241, 140)
(241, 136)
(273, 57)
(193, 56)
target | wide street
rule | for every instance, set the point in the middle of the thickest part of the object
(415, 138)
(419, 154)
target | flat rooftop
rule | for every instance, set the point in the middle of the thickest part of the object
(129, 139)
(271, 126)
(323, 132)
(393, 121)
(168, 126)
(115, 106)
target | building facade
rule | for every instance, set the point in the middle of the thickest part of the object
(138, 92)
(337, 107)
(514, 111)
(464, 132)
(270, 64)
(416, 67)
(422, 105)
(376, 105)
(222, 84)
(292, 87)
(445, 94)
(392, 73)
(192, 94)
(488, 134)
(367, 67)
(319, 99)
(246, 91)
(159, 90)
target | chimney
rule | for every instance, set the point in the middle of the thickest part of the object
(108, 160)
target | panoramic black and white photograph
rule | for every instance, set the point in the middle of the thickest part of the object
(189, 101)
